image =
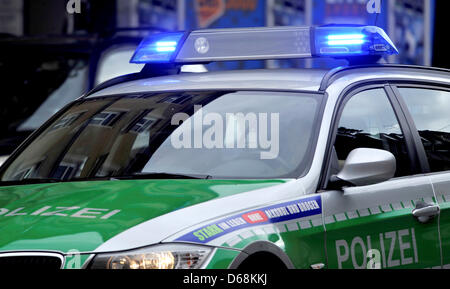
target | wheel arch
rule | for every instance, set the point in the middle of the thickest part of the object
(261, 247)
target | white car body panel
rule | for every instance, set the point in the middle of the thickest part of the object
(284, 79)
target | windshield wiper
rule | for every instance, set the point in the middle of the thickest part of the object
(155, 176)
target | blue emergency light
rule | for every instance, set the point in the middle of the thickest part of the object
(352, 41)
(159, 48)
(203, 46)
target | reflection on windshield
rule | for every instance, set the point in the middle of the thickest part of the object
(134, 134)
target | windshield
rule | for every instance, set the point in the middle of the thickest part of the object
(216, 134)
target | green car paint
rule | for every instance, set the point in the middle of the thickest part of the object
(444, 219)
(83, 215)
(102, 209)
(302, 246)
(222, 258)
(396, 239)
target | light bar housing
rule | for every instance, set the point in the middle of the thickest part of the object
(211, 45)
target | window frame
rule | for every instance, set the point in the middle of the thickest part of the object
(415, 132)
(344, 97)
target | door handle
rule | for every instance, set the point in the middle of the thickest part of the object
(425, 212)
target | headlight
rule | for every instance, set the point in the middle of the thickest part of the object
(173, 256)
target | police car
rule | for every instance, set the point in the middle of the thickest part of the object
(257, 169)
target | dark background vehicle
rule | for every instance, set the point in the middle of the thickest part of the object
(41, 75)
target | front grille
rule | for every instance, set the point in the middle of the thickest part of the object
(30, 261)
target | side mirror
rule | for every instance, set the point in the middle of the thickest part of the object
(365, 167)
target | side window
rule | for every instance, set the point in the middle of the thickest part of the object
(430, 110)
(368, 121)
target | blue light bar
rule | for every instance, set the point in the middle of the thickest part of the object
(158, 48)
(210, 45)
(342, 41)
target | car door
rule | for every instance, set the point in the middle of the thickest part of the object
(429, 109)
(373, 226)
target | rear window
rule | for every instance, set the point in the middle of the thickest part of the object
(214, 134)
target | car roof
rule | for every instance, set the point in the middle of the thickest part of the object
(304, 79)
(261, 79)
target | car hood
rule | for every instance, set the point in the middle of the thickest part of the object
(83, 215)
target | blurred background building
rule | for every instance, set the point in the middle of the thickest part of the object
(410, 23)
(52, 51)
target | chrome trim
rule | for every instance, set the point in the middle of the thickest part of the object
(88, 261)
(208, 259)
(317, 266)
(34, 254)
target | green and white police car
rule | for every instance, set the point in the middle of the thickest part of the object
(255, 169)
